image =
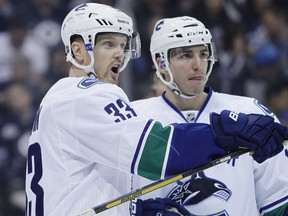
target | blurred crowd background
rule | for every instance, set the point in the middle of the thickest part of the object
(251, 38)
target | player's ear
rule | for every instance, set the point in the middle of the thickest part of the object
(161, 68)
(159, 65)
(78, 51)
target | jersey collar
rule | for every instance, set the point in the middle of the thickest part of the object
(208, 90)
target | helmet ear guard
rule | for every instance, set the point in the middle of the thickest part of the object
(88, 20)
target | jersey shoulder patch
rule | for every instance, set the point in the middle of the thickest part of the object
(88, 82)
(263, 108)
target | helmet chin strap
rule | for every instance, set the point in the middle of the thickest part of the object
(174, 88)
(89, 69)
(171, 84)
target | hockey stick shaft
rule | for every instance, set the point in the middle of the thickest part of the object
(160, 183)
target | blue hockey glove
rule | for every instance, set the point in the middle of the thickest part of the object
(158, 206)
(253, 131)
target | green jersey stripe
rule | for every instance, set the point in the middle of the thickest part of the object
(151, 166)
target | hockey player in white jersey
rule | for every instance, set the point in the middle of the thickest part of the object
(86, 137)
(183, 53)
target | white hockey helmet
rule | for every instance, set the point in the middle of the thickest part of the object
(89, 19)
(177, 32)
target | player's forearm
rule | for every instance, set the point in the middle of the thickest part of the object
(166, 151)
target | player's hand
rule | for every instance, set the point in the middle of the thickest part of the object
(253, 131)
(158, 206)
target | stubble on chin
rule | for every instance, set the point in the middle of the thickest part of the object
(113, 81)
(116, 82)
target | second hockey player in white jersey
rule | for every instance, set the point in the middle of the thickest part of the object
(183, 54)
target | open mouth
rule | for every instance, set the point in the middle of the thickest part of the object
(115, 69)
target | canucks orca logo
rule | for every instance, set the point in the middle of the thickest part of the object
(199, 188)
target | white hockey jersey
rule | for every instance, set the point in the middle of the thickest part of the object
(85, 140)
(240, 186)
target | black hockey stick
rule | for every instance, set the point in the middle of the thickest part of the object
(160, 183)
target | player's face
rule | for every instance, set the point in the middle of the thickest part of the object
(188, 66)
(109, 55)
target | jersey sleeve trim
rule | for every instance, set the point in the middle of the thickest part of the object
(139, 146)
(279, 204)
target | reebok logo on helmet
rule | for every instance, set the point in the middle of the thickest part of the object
(123, 21)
